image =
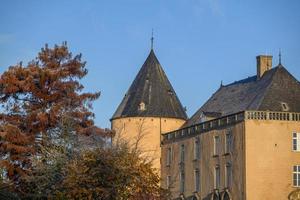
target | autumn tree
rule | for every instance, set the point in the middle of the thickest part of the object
(116, 173)
(113, 172)
(35, 99)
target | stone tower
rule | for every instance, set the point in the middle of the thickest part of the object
(149, 108)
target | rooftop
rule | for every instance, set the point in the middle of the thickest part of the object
(276, 90)
(151, 94)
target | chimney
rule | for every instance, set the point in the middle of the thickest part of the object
(264, 63)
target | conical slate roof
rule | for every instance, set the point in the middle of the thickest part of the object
(151, 94)
(277, 90)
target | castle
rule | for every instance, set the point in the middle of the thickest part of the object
(243, 143)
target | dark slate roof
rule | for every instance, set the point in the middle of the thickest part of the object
(275, 87)
(152, 87)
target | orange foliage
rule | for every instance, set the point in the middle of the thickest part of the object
(35, 98)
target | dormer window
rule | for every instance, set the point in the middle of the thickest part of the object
(284, 106)
(142, 106)
(170, 92)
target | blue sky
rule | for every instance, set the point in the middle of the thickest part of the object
(198, 42)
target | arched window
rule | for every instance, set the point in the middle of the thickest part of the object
(226, 196)
(194, 198)
(216, 195)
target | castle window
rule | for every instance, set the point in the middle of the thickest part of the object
(296, 141)
(296, 176)
(216, 145)
(181, 178)
(168, 181)
(182, 153)
(228, 171)
(197, 149)
(284, 107)
(142, 106)
(217, 177)
(169, 156)
(228, 146)
(197, 180)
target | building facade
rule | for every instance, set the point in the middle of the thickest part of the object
(243, 143)
(247, 155)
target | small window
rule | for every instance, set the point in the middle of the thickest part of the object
(197, 149)
(168, 182)
(296, 141)
(142, 106)
(181, 178)
(228, 175)
(228, 146)
(217, 177)
(216, 145)
(296, 176)
(284, 107)
(182, 153)
(197, 180)
(169, 156)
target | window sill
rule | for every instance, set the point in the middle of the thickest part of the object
(296, 151)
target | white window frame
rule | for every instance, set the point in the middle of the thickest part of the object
(296, 141)
(296, 175)
(228, 143)
(228, 177)
(197, 149)
(169, 156)
(217, 139)
(197, 183)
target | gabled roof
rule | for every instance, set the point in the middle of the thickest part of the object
(275, 88)
(151, 88)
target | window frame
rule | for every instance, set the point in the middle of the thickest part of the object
(182, 153)
(217, 149)
(197, 184)
(296, 139)
(297, 173)
(168, 181)
(197, 148)
(229, 146)
(169, 156)
(182, 182)
(228, 177)
(217, 177)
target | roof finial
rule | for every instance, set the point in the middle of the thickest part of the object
(221, 85)
(279, 56)
(152, 38)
